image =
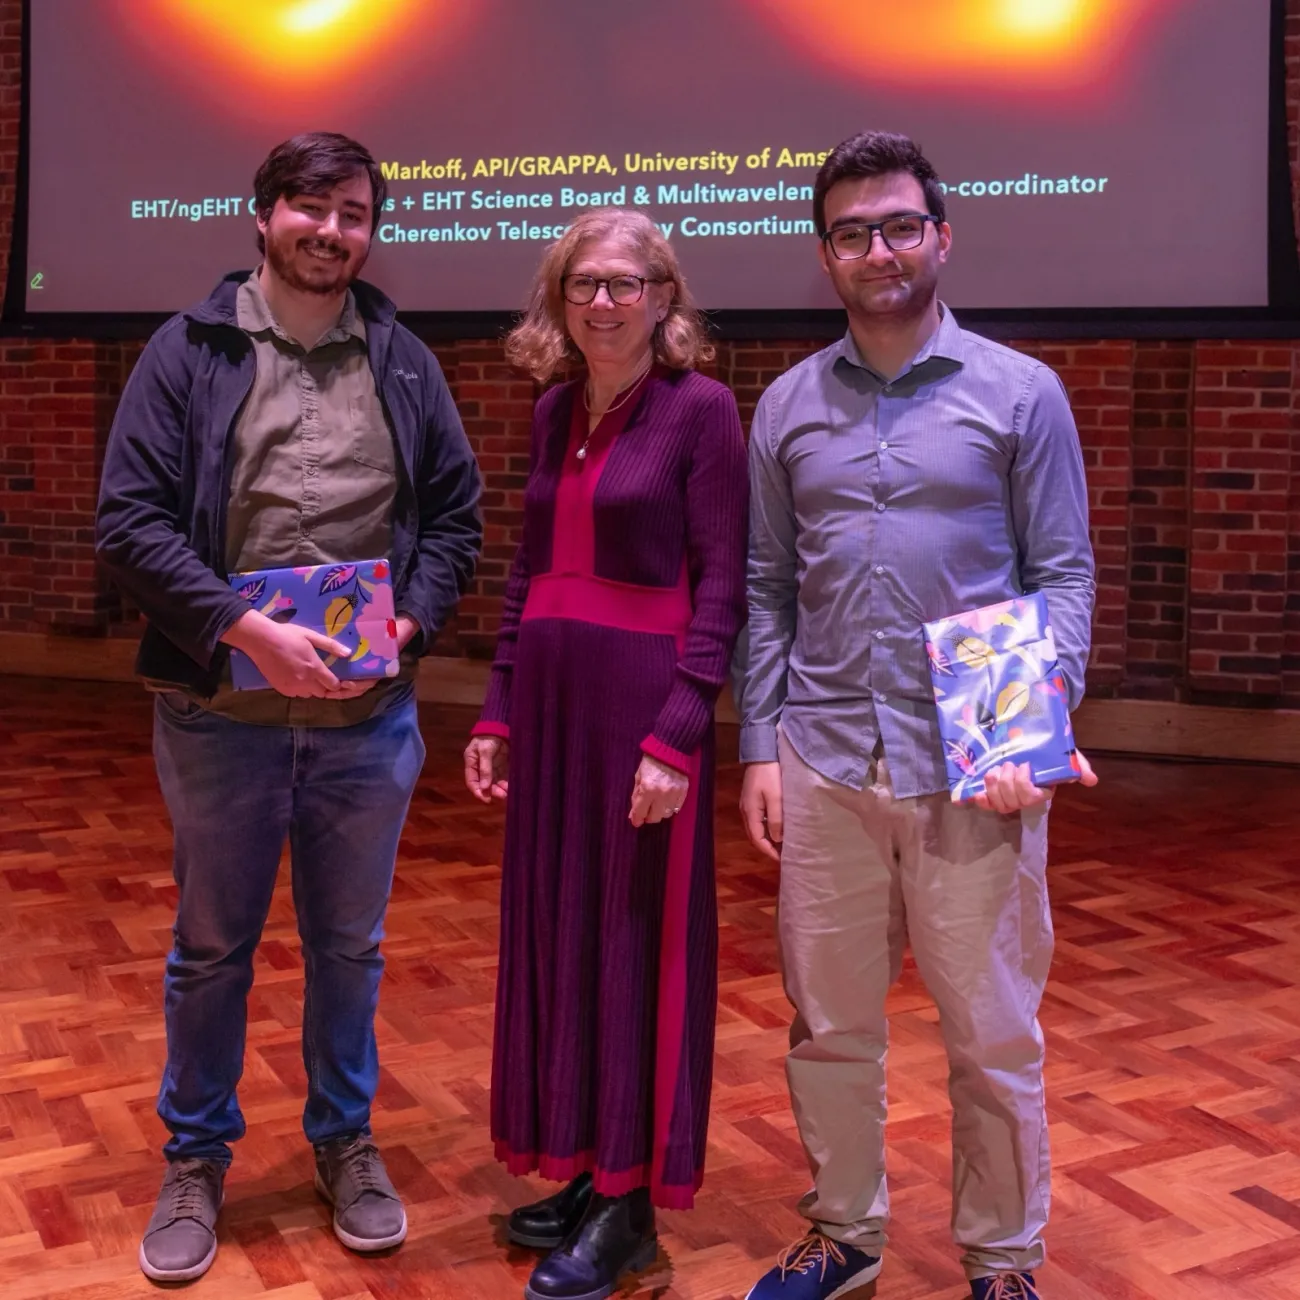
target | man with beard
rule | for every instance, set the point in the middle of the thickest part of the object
(286, 421)
(910, 472)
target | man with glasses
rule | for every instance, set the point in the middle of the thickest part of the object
(909, 472)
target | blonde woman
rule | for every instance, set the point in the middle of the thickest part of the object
(623, 605)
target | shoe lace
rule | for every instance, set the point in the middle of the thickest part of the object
(364, 1166)
(813, 1249)
(190, 1194)
(1011, 1286)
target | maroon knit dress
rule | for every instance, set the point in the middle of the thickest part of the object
(621, 613)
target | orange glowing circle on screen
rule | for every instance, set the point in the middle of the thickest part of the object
(994, 43)
(283, 41)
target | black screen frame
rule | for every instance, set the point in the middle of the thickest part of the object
(1279, 320)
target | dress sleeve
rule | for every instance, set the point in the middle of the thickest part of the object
(717, 496)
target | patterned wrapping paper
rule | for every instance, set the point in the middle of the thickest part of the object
(1000, 694)
(353, 603)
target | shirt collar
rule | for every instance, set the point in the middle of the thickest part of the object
(945, 343)
(253, 315)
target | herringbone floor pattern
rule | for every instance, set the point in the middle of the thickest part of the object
(1173, 1020)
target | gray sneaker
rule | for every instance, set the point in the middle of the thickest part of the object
(180, 1242)
(368, 1213)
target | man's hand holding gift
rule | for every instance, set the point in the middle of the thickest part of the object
(1008, 788)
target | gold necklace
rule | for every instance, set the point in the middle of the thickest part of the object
(613, 406)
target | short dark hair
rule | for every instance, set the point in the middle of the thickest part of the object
(314, 163)
(876, 153)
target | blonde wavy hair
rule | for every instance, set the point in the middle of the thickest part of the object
(541, 345)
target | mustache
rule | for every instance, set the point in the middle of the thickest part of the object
(324, 246)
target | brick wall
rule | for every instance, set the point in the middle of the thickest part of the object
(1192, 451)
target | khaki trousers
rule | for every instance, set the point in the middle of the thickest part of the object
(862, 872)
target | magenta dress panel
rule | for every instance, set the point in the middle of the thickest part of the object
(621, 612)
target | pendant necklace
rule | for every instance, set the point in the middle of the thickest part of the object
(613, 406)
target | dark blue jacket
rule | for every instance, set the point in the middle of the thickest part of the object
(161, 526)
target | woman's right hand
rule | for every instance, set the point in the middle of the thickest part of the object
(486, 759)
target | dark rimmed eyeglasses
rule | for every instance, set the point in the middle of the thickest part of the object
(907, 230)
(622, 289)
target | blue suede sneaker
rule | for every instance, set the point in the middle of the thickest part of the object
(817, 1268)
(1005, 1286)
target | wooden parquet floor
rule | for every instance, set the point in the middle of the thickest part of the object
(1173, 1020)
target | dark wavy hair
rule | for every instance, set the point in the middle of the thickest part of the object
(314, 163)
(876, 153)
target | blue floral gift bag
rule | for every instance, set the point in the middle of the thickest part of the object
(1000, 694)
(353, 603)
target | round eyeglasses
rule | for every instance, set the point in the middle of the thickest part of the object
(623, 290)
(850, 242)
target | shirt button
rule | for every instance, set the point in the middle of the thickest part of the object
(880, 568)
(880, 636)
(880, 699)
(884, 446)
(880, 505)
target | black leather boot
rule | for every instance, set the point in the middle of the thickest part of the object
(545, 1224)
(616, 1237)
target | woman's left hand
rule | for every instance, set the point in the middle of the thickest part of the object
(659, 791)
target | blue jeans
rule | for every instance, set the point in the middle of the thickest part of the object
(234, 792)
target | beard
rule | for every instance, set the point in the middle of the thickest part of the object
(292, 261)
(900, 302)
